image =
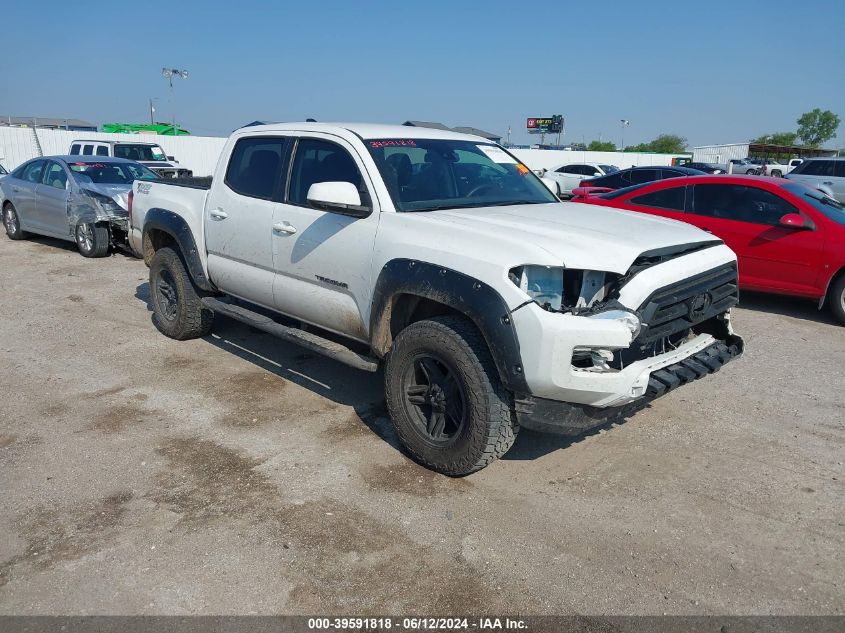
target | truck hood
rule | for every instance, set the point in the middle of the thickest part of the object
(157, 163)
(581, 236)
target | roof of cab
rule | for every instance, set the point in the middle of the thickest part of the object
(366, 130)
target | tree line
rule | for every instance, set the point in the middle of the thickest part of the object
(814, 128)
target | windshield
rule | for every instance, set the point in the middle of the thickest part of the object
(609, 169)
(431, 174)
(821, 202)
(140, 152)
(110, 173)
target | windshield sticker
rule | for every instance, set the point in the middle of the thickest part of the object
(496, 154)
(522, 169)
(397, 142)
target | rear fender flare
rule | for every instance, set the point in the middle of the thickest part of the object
(472, 298)
(176, 226)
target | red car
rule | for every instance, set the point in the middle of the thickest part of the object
(789, 238)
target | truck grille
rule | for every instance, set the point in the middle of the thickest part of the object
(678, 307)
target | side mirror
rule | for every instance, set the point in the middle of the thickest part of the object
(171, 158)
(796, 221)
(338, 197)
(551, 185)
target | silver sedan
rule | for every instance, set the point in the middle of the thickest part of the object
(76, 198)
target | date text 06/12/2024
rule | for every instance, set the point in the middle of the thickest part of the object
(416, 624)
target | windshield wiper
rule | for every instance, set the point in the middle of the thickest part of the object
(507, 203)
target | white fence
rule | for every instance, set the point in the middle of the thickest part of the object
(537, 159)
(200, 153)
(18, 145)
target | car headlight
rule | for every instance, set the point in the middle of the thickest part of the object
(629, 319)
(544, 284)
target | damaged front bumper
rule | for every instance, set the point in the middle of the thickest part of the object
(554, 416)
(583, 370)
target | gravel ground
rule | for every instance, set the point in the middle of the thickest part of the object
(238, 475)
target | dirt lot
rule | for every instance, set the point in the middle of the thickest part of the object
(237, 474)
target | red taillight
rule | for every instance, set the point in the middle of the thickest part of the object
(129, 200)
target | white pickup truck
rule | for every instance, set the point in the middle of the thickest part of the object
(439, 256)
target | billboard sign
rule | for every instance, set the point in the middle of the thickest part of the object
(545, 125)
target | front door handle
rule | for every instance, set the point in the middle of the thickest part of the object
(284, 227)
(16, 189)
(218, 214)
(827, 182)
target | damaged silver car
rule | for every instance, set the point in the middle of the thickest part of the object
(84, 200)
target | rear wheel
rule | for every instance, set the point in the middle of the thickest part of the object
(448, 406)
(177, 303)
(777, 173)
(836, 298)
(12, 223)
(92, 240)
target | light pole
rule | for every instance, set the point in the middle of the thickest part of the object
(152, 110)
(169, 73)
(625, 123)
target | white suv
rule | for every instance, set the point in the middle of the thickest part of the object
(151, 155)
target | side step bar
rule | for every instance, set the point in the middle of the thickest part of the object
(308, 340)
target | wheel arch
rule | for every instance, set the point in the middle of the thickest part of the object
(834, 278)
(163, 228)
(408, 290)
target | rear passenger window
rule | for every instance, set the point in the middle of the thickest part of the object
(102, 150)
(321, 161)
(643, 175)
(839, 168)
(255, 168)
(88, 150)
(74, 149)
(671, 199)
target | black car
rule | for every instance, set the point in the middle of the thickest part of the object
(639, 175)
(707, 168)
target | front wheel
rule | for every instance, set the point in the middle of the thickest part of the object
(836, 298)
(92, 240)
(777, 173)
(448, 406)
(12, 223)
(177, 304)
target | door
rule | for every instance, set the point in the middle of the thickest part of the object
(51, 200)
(324, 256)
(239, 218)
(23, 193)
(771, 257)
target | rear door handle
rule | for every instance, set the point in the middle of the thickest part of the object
(218, 214)
(827, 182)
(16, 189)
(284, 227)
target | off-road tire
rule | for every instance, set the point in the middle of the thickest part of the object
(490, 426)
(186, 317)
(92, 240)
(12, 223)
(836, 299)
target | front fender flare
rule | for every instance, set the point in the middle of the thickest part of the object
(176, 226)
(474, 299)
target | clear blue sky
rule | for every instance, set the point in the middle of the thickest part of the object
(711, 71)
